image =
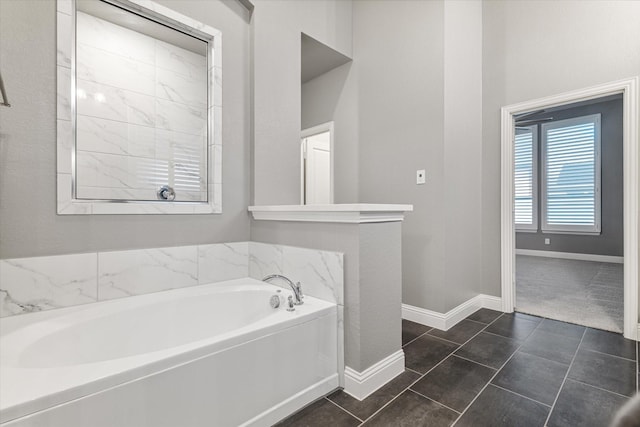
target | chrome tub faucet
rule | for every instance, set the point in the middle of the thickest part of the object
(295, 287)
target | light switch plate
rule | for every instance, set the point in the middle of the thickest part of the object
(420, 176)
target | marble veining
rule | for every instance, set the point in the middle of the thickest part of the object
(181, 117)
(63, 52)
(115, 39)
(122, 172)
(126, 273)
(63, 93)
(222, 261)
(113, 103)
(180, 88)
(115, 137)
(320, 272)
(99, 66)
(43, 283)
(264, 259)
(181, 61)
(34, 284)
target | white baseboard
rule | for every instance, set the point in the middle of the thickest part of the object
(571, 255)
(445, 321)
(294, 403)
(362, 384)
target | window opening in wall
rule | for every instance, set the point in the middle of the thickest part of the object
(571, 175)
(526, 178)
(569, 179)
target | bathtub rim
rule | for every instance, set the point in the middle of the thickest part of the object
(138, 366)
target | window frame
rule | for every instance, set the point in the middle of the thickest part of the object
(533, 227)
(594, 229)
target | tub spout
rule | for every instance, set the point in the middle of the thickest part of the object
(295, 287)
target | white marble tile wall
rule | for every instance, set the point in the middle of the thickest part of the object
(43, 283)
(220, 262)
(321, 273)
(140, 100)
(136, 272)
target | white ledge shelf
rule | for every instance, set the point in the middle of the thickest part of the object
(355, 213)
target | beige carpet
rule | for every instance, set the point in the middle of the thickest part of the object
(584, 292)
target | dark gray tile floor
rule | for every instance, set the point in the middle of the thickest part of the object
(494, 369)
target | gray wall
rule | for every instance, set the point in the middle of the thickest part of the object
(276, 26)
(29, 225)
(533, 49)
(418, 81)
(333, 97)
(610, 240)
(413, 84)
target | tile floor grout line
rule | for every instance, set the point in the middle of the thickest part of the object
(424, 333)
(357, 418)
(511, 338)
(609, 354)
(495, 375)
(475, 321)
(406, 388)
(473, 361)
(599, 388)
(435, 366)
(521, 395)
(444, 339)
(415, 372)
(543, 357)
(435, 401)
(566, 375)
(426, 373)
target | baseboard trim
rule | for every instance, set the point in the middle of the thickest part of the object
(294, 403)
(571, 255)
(445, 321)
(361, 384)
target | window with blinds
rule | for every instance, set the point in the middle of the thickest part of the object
(526, 178)
(571, 175)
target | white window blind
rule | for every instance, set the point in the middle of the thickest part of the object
(525, 178)
(571, 175)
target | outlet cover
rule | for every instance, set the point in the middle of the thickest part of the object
(547, 241)
(420, 177)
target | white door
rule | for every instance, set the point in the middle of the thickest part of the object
(317, 169)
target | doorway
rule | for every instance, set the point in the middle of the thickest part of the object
(568, 213)
(628, 90)
(316, 160)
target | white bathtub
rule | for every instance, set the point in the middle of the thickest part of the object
(214, 355)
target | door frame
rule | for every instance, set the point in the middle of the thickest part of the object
(631, 165)
(305, 133)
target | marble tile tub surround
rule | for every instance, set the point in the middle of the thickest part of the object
(320, 272)
(43, 283)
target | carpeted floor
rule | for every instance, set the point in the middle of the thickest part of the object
(584, 292)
